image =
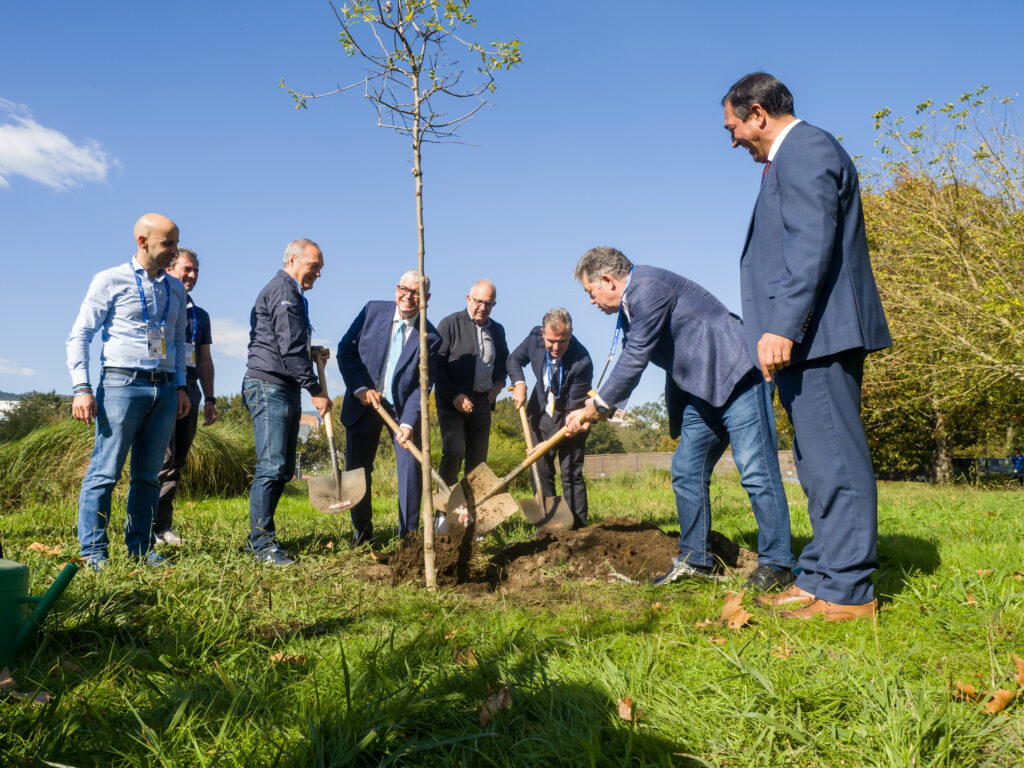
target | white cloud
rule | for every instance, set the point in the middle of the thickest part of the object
(11, 368)
(46, 155)
(230, 338)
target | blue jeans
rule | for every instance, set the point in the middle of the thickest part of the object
(747, 422)
(275, 412)
(131, 414)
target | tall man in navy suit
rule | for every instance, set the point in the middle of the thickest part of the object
(563, 371)
(811, 313)
(714, 397)
(379, 361)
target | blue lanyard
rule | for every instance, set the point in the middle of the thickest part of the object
(193, 308)
(561, 373)
(142, 298)
(618, 327)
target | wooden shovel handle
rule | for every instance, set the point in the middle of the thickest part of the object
(328, 422)
(411, 447)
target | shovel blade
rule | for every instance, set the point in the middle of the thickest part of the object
(488, 514)
(549, 514)
(324, 495)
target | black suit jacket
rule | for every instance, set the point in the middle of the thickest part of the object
(576, 374)
(456, 365)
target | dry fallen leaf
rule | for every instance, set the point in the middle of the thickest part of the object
(733, 611)
(427, 615)
(971, 600)
(464, 658)
(39, 697)
(493, 704)
(7, 683)
(999, 700)
(782, 651)
(329, 545)
(70, 666)
(1020, 668)
(281, 658)
(42, 549)
(658, 606)
(717, 640)
(563, 629)
(707, 623)
(984, 571)
(454, 632)
(965, 692)
(1019, 575)
(627, 711)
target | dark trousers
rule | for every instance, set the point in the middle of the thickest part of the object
(830, 450)
(361, 441)
(570, 454)
(463, 436)
(177, 451)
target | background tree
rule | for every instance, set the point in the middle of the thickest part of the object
(412, 83)
(945, 222)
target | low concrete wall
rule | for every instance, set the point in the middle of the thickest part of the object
(609, 464)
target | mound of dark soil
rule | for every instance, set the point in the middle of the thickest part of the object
(615, 548)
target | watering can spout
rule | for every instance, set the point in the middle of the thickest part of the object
(43, 605)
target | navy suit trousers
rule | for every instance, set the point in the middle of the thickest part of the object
(360, 451)
(822, 398)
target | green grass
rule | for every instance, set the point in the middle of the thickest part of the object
(177, 665)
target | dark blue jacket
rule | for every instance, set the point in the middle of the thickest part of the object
(361, 358)
(577, 370)
(279, 337)
(805, 272)
(681, 328)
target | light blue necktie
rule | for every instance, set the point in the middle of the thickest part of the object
(394, 352)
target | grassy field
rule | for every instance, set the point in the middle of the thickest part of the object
(220, 662)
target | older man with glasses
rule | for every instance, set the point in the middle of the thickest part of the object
(379, 361)
(471, 372)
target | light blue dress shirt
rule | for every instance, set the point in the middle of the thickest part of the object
(113, 307)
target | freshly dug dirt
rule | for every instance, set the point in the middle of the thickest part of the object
(615, 548)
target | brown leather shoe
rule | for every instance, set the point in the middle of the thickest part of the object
(833, 611)
(792, 597)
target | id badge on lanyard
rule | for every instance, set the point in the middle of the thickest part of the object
(190, 354)
(155, 339)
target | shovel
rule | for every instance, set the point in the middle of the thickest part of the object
(337, 493)
(548, 513)
(443, 491)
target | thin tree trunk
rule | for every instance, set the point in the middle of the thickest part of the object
(941, 463)
(427, 512)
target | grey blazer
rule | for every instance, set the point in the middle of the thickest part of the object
(680, 327)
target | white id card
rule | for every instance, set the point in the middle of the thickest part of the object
(157, 344)
(190, 354)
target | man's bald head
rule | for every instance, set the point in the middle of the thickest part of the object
(157, 239)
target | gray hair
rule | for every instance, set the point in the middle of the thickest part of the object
(557, 316)
(414, 274)
(188, 253)
(488, 283)
(602, 261)
(297, 248)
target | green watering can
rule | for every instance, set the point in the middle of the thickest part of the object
(17, 622)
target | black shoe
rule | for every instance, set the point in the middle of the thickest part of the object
(768, 579)
(683, 570)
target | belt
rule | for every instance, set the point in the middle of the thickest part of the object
(139, 373)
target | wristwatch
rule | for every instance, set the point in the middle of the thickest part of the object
(604, 410)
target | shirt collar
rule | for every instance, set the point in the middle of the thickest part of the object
(137, 266)
(478, 327)
(297, 283)
(398, 316)
(778, 139)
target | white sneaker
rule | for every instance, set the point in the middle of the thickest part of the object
(169, 537)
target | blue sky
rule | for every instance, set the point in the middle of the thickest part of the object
(610, 133)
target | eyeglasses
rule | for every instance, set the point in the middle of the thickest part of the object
(482, 303)
(410, 292)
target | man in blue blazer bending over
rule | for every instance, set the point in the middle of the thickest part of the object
(379, 361)
(811, 313)
(714, 397)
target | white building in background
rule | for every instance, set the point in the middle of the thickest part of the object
(6, 405)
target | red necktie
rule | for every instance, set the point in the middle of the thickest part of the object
(764, 173)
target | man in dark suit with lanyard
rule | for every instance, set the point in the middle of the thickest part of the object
(714, 398)
(811, 313)
(198, 372)
(563, 371)
(379, 361)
